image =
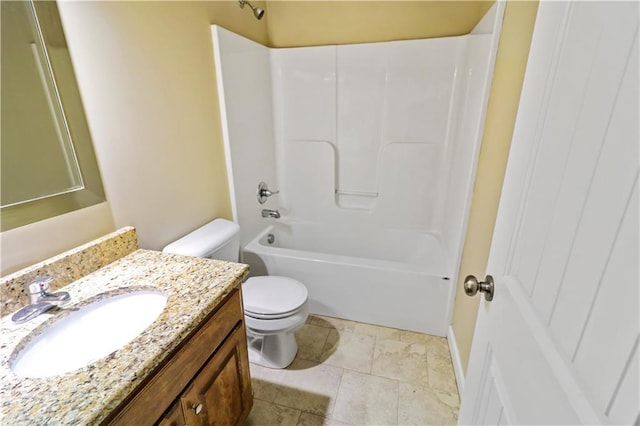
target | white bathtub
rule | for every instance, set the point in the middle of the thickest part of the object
(393, 278)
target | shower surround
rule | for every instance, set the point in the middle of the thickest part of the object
(373, 148)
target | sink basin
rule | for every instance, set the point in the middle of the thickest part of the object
(89, 334)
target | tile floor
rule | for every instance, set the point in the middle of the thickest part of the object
(350, 373)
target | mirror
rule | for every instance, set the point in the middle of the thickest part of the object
(47, 162)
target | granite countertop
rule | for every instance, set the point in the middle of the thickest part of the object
(194, 287)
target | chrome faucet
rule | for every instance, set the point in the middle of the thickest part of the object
(40, 299)
(38, 292)
(275, 214)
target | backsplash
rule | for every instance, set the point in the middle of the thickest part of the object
(67, 267)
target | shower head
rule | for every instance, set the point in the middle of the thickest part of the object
(257, 12)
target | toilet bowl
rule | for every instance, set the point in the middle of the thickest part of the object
(274, 307)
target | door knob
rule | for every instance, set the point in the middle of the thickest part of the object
(472, 286)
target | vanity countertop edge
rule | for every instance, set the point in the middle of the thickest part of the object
(195, 287)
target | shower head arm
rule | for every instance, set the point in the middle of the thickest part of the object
(257, 12)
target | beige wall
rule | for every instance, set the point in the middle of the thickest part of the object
(147, 77)
(29, 244)
(309, 23)
(511, 61)
(146, 74)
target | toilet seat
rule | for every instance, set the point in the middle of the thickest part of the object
(273, 297)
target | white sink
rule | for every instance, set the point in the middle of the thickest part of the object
(89, 334)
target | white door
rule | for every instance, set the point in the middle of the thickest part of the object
(559, 342)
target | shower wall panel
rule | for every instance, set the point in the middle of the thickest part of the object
(244, 83)
(302, 119)
(475, 71)
(361, 82)
(385, 111)
(304, 89)
(396, 92)
(310, 177)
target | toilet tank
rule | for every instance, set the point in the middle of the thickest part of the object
(219, 239)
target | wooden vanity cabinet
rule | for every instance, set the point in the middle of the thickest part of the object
(205, 382)
(215, 397)
(173, 417)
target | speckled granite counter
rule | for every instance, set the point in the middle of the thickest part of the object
(67, 267)
(194, 288)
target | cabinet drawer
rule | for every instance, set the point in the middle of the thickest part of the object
(148, 404)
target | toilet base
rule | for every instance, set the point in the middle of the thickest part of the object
(272, 351)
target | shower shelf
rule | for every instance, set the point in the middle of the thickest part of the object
(356, 200)
(357, 193)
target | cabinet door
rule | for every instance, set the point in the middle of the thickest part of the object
(173, 417)
(221, 393)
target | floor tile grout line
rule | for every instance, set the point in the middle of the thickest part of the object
(397, 331)
(373, 356)
(283, 405)
(330, 417)
(324, 344)
(279, 404)
(302, 410)
(398, 402)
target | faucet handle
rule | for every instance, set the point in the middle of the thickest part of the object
(38, 286)
(264, 192)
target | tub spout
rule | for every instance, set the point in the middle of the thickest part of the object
(275, 214)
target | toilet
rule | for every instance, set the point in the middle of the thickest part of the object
(274, 307)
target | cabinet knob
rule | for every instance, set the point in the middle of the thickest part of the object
(197, 408)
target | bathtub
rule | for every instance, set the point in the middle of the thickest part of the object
(393, 278)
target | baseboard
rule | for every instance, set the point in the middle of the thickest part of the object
(455, 358)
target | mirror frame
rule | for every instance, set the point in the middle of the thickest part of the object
(16, 215)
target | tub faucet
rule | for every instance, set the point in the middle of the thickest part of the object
(40, 299)
(271, 213)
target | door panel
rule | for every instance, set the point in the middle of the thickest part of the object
(624, 402)
(586, 149)
(490, 408)
(580, 55)
(609, 194)
(559, 342)
(610, 334)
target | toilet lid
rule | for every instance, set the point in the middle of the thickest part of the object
(272, 296)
